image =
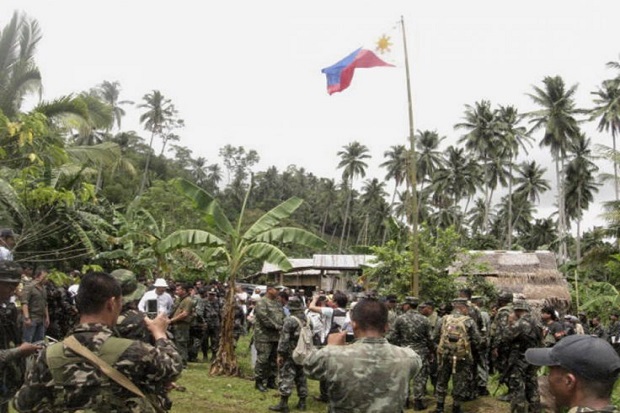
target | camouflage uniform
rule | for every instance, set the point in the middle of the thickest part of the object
(522, 376)
(197, 329)
(290, 373)
(599, 331)
(150, 368)
(181, 327)
(130, 324)
(269, 319)
(11, 364)
(369, 375)
(607, 409)
(498, 339)
(460, 368)
(212, 315)
(413, 330)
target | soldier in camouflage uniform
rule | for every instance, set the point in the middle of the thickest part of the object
(198, 327)
(290, 373)
(61, 380)
(598, 330)
(12, 351)
(212, 314)
(427, 309)
(458, 339)
(413, 330)
(582, 373)
(369, 375)
(181, 320)
(498, 337)
(269, 319)
(482, 368)
(130, 324)
(524, 333)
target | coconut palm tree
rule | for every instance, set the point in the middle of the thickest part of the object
(580, 183)
(557, 117)
(375, 210)
(607, 110)
(110, 92)
(430, 159)
(396, 165)
(352, 163)
(160, 112)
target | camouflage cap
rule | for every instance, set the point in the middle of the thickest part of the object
(411, 300)
(459, 301)
(10, 272)
(521, 305)
(132, 290)
(294, 303)
(505, 296)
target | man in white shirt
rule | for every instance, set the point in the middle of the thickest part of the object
(164, 300)
(7, 243)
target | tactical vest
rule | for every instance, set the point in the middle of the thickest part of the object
(105, 399)
(454, 339)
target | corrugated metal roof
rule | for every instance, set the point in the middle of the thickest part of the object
(323, 262)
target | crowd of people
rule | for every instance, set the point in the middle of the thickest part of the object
(123, 343)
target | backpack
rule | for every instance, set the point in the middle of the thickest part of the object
(304, 342)
(454, 338)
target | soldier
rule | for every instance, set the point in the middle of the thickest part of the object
(552, 328)
(182, 319)
(390, 302)
(62, 380)
(291, 373)
(213, 318)
(427, 309)
(130, 324)
(35, 311)
(498, 337)
(369, 375)
(458, 339)
(198, 327)
(597, 329)
(12, 353)
(582, 373)
(269, 319)
(482, 367)
(524, 333)
(413, 330)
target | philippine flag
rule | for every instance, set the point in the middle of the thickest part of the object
(339, 75)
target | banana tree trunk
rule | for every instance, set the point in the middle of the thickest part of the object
(226, 360)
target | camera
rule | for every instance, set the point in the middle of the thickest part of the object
(151, 308)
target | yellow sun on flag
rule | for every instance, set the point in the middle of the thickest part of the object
(384, 44)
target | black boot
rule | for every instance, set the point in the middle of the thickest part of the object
(258, 385)
(439, 408)
(418, 405)
(282, 406)
(301, 405)
(456, 408)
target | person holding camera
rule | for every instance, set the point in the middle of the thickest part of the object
(370, 375)
(157, 300)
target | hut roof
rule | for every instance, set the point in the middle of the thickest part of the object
(533, 274)
(323, 262)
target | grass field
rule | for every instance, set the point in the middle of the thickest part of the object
(237, 394)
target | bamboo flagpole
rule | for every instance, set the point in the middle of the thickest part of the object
(415, 275)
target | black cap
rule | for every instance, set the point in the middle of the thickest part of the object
(391, 298)
(587, 356)
(10, 272)
(411, 300)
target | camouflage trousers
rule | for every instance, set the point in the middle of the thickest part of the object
(211, 340)
(266, 355)
(523, 386)
(290, 375)
(181, 340)
(420, 379)
(461, 373)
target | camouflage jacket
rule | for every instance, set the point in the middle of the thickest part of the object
(130, 324)
(412, 330)
(290, 333)
(500, 327)
(369, 375)
(524, 333)
(606, 409)
(150, 368)
(12, 366)
(269, 319)
(212, 312)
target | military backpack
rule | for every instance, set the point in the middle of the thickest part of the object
(304, 342)
(454, 339)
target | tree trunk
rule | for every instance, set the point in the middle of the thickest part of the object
(613, 136)
(226, 360)
(510, 207)
(346, 216)
(146, 166)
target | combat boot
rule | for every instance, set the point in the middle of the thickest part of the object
(456, 408)
(301, 405)
(418, 405)
(259, 386)
(439, 408)
(282, 406)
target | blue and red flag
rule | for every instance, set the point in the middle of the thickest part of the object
(339, 75)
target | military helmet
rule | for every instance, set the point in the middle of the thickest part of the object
(294, 303)
(505, 296)
(131, 289)
(521, 305)
(10, 272)
(459, 301)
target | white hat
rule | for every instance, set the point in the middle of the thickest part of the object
(160, 282)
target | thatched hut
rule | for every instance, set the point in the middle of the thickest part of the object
(532, 274)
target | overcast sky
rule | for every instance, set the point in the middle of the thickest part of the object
(248, 72)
